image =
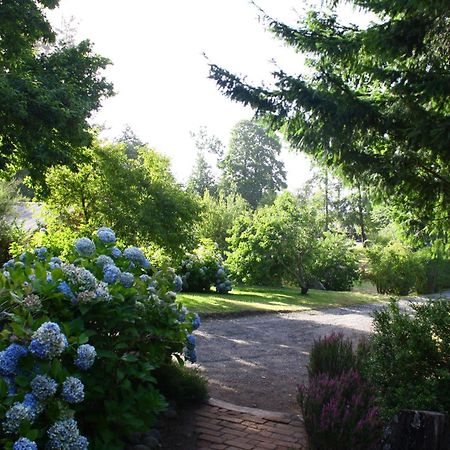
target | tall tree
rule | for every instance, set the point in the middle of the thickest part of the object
(48, 90)
(251, 167)
(131, 142)
(376, 103)
(201, 179)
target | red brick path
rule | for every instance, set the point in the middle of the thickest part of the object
(223, 426)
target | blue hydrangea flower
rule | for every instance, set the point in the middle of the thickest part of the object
(11, 382)
(55, 263)
(220, 273)
(73, 390)
(103, 261)
(126, 279)
(48, 341)
(84, 246)
(16, 415)
(196, 322)
(178, 282)
(106, 235)
(191, 355)
(145, 278)
(183, 313)
(190, 341)
(86, 355)
(110, 274)
(9, 359)
(64, 435)
(40, 253)
(115, 252)
(24, 444)
(64, 288)
(9, 264)
(43, 387)
(136, 256)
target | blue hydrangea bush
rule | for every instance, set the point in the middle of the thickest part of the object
(203, 269)
(80, 339)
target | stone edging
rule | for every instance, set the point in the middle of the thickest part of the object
(273, 416)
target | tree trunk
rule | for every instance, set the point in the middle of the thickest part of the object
(304, 290)
(361, 216)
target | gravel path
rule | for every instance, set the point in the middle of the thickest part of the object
(258, 361)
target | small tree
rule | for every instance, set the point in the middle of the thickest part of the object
(277, 244)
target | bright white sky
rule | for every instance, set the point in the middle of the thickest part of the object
(161, 77)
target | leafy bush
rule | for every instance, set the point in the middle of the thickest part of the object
(336, 262)
(9, 229)
(435, 273)
(182, 385)
(409, 361)
(204, 268)
(339, 412)
(332, 355)
(393, 268)
(116, 302)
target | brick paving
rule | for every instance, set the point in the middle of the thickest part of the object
(223, 426)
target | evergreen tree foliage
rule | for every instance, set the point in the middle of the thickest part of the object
(201, 179)
(251, 167)
(48, 90)
(375, 104)
(131, 142)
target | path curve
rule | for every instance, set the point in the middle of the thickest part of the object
(258, 361)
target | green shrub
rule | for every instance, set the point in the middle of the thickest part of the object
(332, 355)
(182, 385)
(409, 361)
(435, 273)
(111, 299)
(204, 268)
(393, 268)
(336, 262)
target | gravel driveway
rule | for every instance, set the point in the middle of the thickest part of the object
(258, 361)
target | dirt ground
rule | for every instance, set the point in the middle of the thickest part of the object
(258, 361)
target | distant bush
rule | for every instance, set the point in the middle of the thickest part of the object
(203, 269)
(435, 271)
(393, 268)
(336, 262)
(340, 412)
(409, 361)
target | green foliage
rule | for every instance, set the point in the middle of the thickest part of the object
(410, 358)
(374, 102)
(332, 355)
(182, 385)
(204, 268)
(393, 268)
(9, 229)
(133, 322)
(251, 167)
(336, 262)
(435, 270)
(138, 197)
(201, 180)
(278, 243)
(46, 94)
(219, 216)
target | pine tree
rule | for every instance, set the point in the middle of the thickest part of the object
(376, 105)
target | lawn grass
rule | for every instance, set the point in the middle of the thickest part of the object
(260, 299)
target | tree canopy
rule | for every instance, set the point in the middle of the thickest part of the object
(375, 104)
(48, 90)
(251, 167)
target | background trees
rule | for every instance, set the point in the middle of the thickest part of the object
(251, 167)
(138, 197)
(376, 104)
(48, 90)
